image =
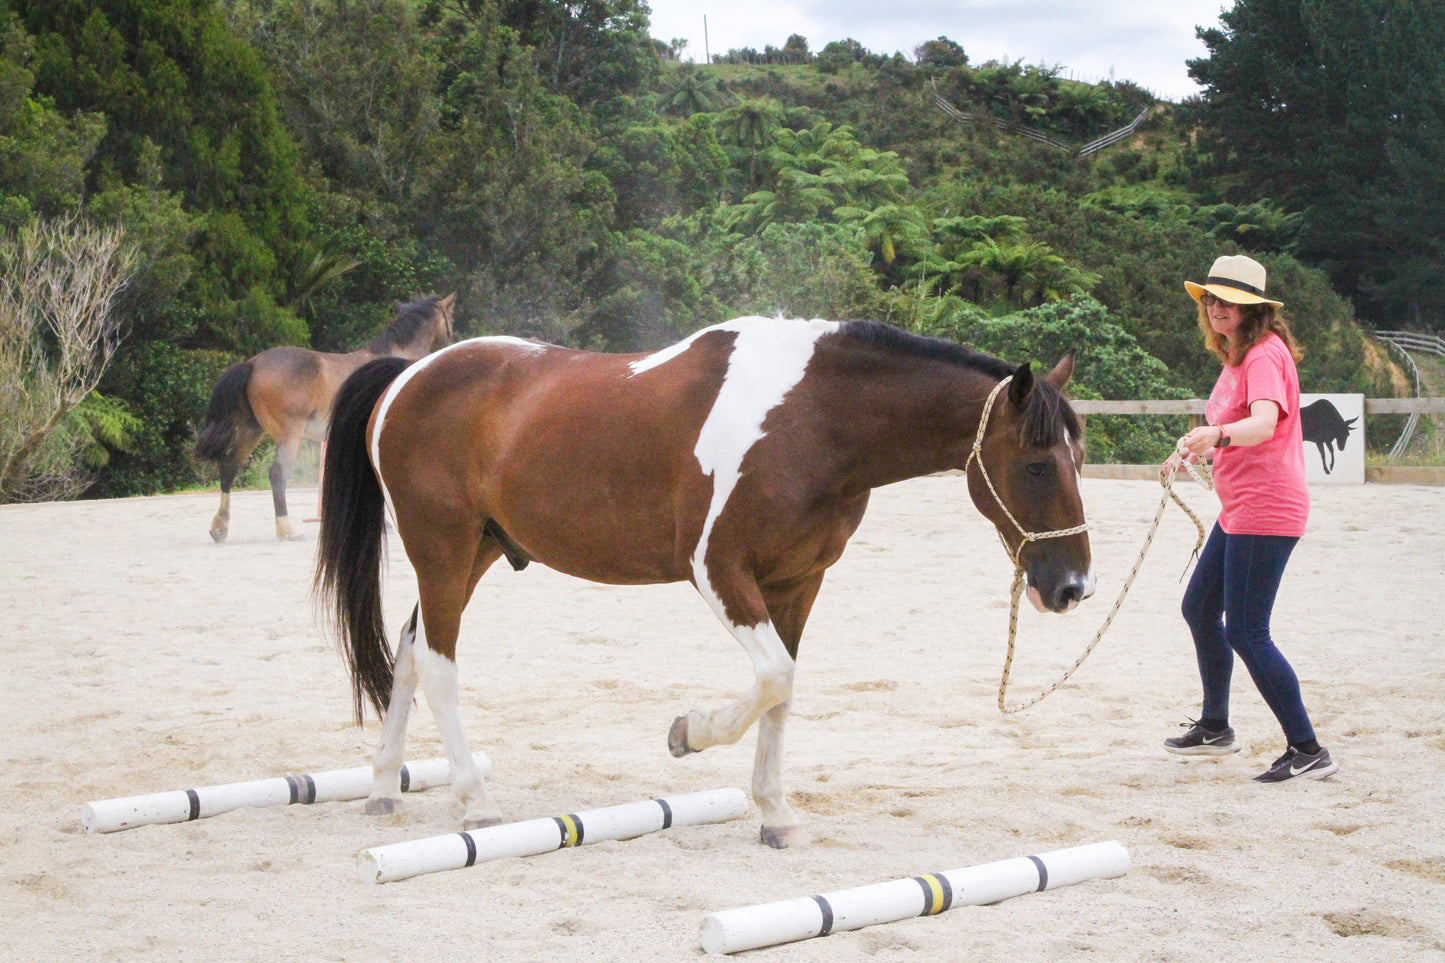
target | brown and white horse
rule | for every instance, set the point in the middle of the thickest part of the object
(286, 393)
(740, 459)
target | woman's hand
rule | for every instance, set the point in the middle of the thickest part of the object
(1199, 441)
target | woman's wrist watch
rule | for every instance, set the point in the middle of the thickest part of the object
(1223, 441)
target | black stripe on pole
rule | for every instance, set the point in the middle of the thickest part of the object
(827, 915)
(309, 796)
(1043, 873)
(405, 776)
(471, 849)
(666, 813)
(294, 788)
(195, 805)
(578, 821)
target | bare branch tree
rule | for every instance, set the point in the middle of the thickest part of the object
(58, 283)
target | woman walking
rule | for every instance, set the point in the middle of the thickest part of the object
(1253, 435)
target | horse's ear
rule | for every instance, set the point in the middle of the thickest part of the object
(1062, 372)
(449, 300)
(1022, 385)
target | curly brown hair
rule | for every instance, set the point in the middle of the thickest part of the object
(1256, 321)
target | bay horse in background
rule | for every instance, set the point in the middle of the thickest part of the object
(740, 460)
(286, 393)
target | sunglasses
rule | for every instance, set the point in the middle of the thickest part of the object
(1210, 300)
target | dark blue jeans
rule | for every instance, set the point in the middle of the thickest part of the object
(1227, 606)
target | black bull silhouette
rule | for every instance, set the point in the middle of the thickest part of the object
(1322, 424)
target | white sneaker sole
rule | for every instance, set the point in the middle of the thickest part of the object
(1204, 750)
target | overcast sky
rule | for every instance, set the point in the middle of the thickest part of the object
(1146, 41)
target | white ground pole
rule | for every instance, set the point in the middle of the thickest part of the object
(386, 864)
(184, 805)
(786, 921)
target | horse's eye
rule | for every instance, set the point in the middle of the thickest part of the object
(1038, 469)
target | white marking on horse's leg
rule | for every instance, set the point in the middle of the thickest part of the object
(438, 677)
(221, 524)
(773, 684)
(780, 826)
(386, 795)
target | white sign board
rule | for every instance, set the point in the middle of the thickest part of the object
(1334, 430)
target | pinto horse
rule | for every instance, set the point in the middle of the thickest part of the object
(740, 460)
(287, 392)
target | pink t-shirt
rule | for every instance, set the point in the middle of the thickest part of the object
(1261, 488)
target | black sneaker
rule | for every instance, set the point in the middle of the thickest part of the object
(1199, 741)
(1299, 765)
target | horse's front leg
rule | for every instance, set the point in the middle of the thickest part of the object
(766, 699)
(386, 794)
(781, 828)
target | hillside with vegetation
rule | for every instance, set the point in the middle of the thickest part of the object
(285, 172)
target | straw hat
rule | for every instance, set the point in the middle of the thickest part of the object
(1236, 279)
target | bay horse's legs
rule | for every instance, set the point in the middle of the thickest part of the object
(246, 438)
(390, 749)
(287, 449)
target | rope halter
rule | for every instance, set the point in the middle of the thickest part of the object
(976, 455)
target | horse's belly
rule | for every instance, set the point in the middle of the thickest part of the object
(591, 531)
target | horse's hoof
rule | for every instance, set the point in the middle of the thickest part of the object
(218, 534)
(677, 738)
(785, 837)
(481, 822)
(382, 807)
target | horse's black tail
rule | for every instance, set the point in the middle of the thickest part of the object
(349, 550)
(216, 439)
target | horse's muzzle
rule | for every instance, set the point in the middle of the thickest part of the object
(1061, 594)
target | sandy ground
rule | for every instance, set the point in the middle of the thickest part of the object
(142, 658)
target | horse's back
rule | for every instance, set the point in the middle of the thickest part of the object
(584, 463)
(292, 388)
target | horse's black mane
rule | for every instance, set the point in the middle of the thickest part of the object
(410, 318)
(1048, 414)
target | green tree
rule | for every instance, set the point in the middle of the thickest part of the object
(692, 91)
(592, 51)
(749, 127)
(1330, 107)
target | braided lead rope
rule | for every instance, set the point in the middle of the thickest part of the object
(1166, 479)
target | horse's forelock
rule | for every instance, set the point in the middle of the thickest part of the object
(1048, 417)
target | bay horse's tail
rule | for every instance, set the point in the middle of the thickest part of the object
(216, 439)
(350, 546)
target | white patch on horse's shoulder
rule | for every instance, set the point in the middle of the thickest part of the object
(672, 351)
(769, 357)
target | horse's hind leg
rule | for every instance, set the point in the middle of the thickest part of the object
(286, 452)
(443, 597)
(246, 440)
(390, 749)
